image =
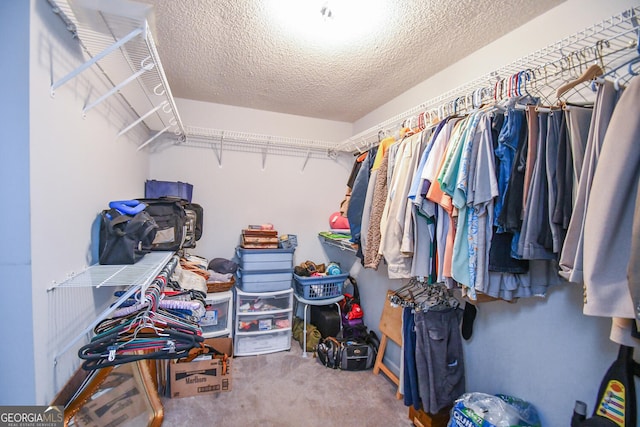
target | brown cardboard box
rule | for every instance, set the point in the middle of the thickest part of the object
(421, 418)
(200, 377)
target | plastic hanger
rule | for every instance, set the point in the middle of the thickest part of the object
(591, 73)
(405, 295)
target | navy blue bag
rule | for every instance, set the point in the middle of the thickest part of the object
(154, 189)
(125, 239)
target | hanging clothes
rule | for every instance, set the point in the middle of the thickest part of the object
(372, 256)
(571, 262)
(535, 220)
(578, 123)
(408, 246)
(484, 202)
(411, 380)
(455, 181)
(344, 205)
(609, 219)
(439, 358)
(564, 166)
(395, 250)
(501, 256)
(358, 196)
(510, 219)
(633, 272)
(395, 150)
(532, 148)
(431, 208)
(482, 192)
(368, 202)
(511, 164)
(423, 264)
(555, 235)
(446, 214)
(508, 140)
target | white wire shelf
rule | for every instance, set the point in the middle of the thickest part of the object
(220, 140)
(610, 42)
(117, 38)
(135, 277)
(139, 274)
(340, 243)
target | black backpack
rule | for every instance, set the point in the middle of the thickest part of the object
(617, 386)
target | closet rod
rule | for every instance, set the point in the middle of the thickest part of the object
(615, 34)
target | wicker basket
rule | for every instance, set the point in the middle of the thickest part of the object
(220, 286)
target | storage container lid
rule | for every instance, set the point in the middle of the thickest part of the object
(242, 250)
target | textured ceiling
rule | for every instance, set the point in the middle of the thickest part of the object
(251, 53)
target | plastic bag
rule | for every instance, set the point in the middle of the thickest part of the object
(485, 410)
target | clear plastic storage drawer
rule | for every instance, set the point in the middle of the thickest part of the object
(251, 344)
(265, 322)
(218, 313)
(260, 303)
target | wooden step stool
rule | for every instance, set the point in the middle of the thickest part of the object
(390, 328)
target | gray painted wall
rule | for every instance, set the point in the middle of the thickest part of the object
(16, 367)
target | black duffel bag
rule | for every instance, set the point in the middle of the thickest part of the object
(170, 215)
(347, 355)
(125, 239)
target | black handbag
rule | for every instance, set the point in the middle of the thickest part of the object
(125, 239)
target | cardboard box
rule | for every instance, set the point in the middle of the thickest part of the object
(202, 375)
(421, 418)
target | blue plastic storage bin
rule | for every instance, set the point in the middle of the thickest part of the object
(265, 259)
(264, 280)
(321, 287)
(154, 189)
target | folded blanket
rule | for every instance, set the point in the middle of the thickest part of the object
(214, 276)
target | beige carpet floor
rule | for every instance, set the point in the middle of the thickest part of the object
(284, 389)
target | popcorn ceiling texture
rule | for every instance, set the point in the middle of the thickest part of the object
(235, 53)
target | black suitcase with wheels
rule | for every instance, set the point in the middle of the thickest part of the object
(326, 319)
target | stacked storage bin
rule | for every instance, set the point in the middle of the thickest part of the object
(219, 311)
(264, 301)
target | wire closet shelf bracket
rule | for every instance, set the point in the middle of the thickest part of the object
(119, 42)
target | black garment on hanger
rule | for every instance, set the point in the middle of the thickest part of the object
(564, 200)
(500, 252)
(358, 196)
(511, 214)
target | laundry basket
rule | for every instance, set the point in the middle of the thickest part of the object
(320, 287)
